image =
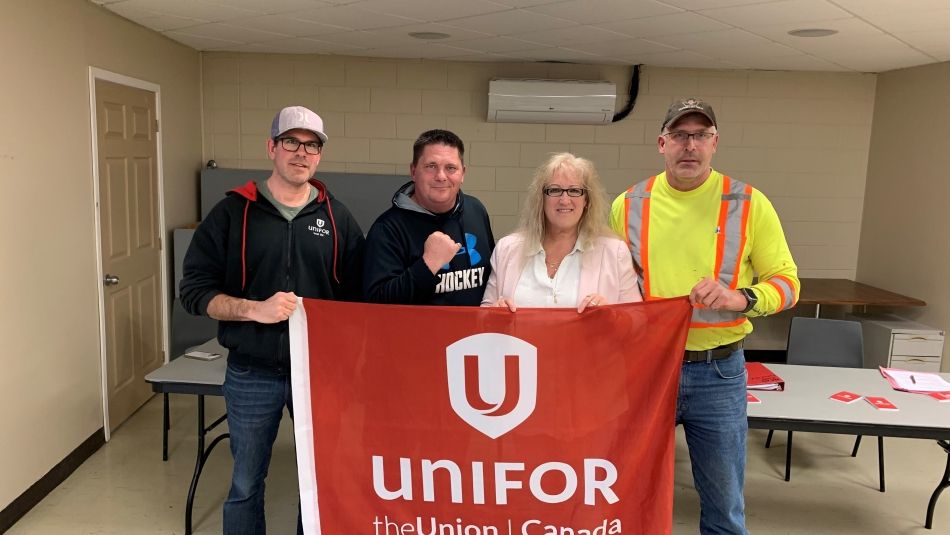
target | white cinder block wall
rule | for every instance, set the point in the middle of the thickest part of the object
(800, 137)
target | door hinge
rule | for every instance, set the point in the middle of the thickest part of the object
(156, 126)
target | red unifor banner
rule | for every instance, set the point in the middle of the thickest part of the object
(480, 421)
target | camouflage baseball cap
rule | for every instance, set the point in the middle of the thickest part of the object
(686, 106)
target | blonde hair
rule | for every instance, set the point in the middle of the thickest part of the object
(593, 222)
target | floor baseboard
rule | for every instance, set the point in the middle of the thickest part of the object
(33, 495)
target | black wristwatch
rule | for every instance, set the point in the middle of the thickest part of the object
(750, 298)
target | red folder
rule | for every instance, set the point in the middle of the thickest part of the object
(759, 377)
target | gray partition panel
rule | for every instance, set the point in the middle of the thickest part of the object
(188, 330)
(181, 239)
(365, 195)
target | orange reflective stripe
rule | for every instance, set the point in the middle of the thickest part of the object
(721, 228)
(732, 220)
(786, 295)
(791, 286)
(781, 294)
(743, 229)
(731, 236)
(636, 200)
(644, 239)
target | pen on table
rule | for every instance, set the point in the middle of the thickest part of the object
(913, 380)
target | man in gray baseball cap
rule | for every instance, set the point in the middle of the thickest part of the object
(266, 243)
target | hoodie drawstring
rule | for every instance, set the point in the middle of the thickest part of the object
(247, 204)
(335, 239)
(249, 192)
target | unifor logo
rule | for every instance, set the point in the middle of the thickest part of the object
(320, 223)
(493, 381)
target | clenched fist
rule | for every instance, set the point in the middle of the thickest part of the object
(439, 250)
(276, 308)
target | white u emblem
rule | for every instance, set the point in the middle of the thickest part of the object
(493, 381)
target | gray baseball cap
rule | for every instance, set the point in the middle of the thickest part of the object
(294, 117)
(687, 106)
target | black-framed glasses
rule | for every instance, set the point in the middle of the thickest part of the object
(683, 137)
(557, 191)
(291, 144)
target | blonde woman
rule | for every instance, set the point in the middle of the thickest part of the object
(564, 254)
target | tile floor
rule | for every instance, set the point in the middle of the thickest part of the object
(126, 489)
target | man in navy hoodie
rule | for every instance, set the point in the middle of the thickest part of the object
(434, 244)
(262, 246)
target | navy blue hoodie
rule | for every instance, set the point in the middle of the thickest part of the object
(394, 270)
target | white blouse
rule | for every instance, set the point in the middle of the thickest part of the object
(536, 289)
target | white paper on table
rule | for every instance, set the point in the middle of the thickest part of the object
(913, 381)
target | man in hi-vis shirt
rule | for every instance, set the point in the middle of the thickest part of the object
(694, 231)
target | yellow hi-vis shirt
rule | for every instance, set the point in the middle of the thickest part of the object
(681, 248)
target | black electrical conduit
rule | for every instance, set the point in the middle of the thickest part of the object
(632, 97)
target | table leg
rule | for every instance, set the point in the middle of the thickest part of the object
(788, 457)
(199, 464)
(944, 483)
(880, 460)
(202, 457)
(166, 425)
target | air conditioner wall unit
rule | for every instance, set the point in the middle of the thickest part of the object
(551, 101)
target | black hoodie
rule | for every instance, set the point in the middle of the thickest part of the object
(394, 270)
(245, 248)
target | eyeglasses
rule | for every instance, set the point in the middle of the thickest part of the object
(556, 191)
(291, 144)
(683, 137)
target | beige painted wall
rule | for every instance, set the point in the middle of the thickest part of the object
(802, 138)
(904, 239)
(50, 395)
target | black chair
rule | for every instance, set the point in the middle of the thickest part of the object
(826, 342)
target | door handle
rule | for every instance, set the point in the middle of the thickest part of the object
(110, 280)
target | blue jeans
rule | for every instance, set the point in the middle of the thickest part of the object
(712, 409)
(255, 401)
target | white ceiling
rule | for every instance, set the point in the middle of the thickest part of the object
(874, 35)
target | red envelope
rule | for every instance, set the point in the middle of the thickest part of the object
(940, 396)
(752, 399)
(845, 397)
(881, 403)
